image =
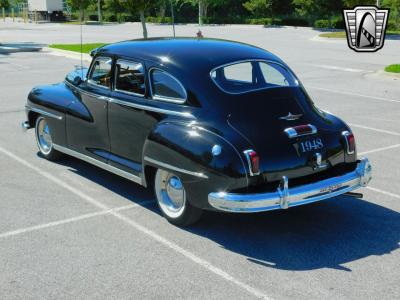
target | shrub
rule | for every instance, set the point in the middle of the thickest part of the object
(110, 18)
(159, 20)
(294, 22)
(322, 24)
(337, 23)
(264, 21)
(93, 18)
(392, 25)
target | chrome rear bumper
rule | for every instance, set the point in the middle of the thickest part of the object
(285, 197)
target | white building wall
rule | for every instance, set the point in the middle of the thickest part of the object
(45, 5)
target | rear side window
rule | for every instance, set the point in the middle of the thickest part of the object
(242, 77)
(166, 87)
(129, 77)
(100, 73)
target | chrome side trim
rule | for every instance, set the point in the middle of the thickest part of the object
(173, 168)
(99, 164)
(285, 197)
(154, 109)
(44, 113)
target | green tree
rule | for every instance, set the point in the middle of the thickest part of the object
(138, 6)
(80, 5)
(5, 4)
(114, 6)
(260, 8)
(203, 6)
(353, 3)
(394, 6)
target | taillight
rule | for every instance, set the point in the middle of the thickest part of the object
(349, 141)
(253, 161)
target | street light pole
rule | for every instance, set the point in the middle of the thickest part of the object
(172, 16)
(99, 17)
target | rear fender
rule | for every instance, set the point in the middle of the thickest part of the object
(187, 151)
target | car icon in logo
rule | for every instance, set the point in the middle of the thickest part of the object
(366, 27)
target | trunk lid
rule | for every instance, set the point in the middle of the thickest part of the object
(262, 118)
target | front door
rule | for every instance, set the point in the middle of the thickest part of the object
(87, 130)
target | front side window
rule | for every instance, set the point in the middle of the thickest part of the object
(249, 76)
(129, 77)
(101, 72)
(166, 87)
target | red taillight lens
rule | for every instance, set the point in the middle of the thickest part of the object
(254, 161)
(350, 142)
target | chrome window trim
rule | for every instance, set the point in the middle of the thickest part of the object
(44, 113)
(173, 168)
(251, 60)
(99, 164)
(115, 78)
(89, 74)
(165, 98)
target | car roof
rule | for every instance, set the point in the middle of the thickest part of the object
(186, 53)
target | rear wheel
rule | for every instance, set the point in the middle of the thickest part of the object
(171, 198)
(44, 140)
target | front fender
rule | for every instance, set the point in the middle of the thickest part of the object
(186, 151)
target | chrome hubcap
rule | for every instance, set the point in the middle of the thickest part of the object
(43, 136)
(171, 194)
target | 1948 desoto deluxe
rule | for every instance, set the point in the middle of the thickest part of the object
(210, 124)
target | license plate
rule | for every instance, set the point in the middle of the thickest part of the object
(311, 145)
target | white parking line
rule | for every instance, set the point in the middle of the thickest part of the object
(353, 94)
(375, 129)
(340, 68)
(383, 192)
(380, 149)
(194, 258)
(69, 220)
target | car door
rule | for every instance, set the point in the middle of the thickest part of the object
(132, 114)
(87, 130)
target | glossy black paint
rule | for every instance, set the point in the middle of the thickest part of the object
(127, 130)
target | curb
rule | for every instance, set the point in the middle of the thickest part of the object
(67, 54)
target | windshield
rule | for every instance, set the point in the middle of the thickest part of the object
(242, 77)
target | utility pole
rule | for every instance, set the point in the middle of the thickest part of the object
(99, 16)
(172, 17)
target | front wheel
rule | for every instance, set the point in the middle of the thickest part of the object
(171, 198)
(44, 140)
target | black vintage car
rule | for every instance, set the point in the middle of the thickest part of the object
(210, 124)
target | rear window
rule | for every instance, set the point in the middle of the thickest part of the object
(248, 76)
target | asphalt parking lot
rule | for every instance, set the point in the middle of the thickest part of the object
(71, 230)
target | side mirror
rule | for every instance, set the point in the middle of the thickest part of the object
(78, 80)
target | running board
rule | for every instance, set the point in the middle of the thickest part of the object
(99, 164)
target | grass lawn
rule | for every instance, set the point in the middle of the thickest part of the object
(393, 68)
(86, 48)
(342, 34)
